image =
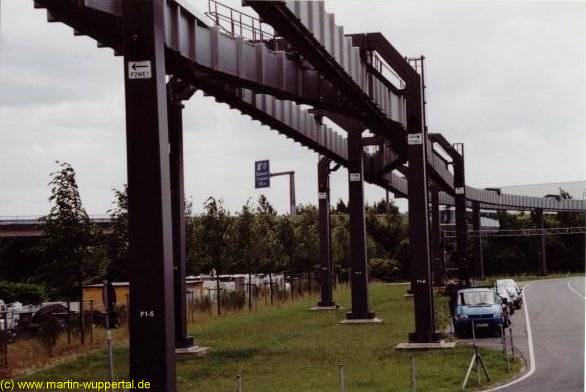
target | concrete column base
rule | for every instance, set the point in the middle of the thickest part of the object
(374, 320)
(326, 307)
(410, 346)
(194, 351)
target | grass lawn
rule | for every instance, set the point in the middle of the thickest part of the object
(290, 348)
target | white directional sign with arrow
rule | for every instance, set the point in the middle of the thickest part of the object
(139, 70)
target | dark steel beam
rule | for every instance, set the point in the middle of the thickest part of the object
(378, 42)
(287, 24)
(150, 254)
(478, 255)
(461, 221)
(325, 256)
(437, 266)
(358, 260)
(175, 121)
(421, 280)
(443, 143)
(541, 253)
(190, 53)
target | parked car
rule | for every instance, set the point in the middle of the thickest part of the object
(514, 289)
(506, 298)
(481, 306)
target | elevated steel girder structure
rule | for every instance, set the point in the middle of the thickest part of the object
(101, 20)
(331, 76)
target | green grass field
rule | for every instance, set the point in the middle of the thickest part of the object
(290, 348)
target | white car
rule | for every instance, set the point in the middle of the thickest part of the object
(513, 288)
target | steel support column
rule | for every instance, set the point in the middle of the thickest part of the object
(461, 221)
(437, 266)
(421, 280)
(325, 257)
(150, 253)
(174, 113)
(358, 260)
(541, 253)
(478, 255)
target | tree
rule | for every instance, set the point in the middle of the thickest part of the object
(340, 223)
(341, 206)
(66, 247)
(117, 240)
(214, 240)
(307, 239)
(243, 251)
(267, 248)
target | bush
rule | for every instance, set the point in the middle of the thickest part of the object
(234, 300)
(203, 304)
(386, 270)
(49, 330)
(26, 293)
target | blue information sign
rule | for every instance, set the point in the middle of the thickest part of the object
(262, 174)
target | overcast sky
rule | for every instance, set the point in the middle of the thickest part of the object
(507, 79)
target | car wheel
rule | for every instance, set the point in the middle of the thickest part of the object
(498, 331)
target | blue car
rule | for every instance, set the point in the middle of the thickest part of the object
(481, 306)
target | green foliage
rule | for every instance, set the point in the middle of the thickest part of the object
(256, 239)
(27, 293)
(516, 255)
(117, 240)
(48, 334)
(267, 247)
(214, 231)
(68, 248)
(385, 270)
(233, 300)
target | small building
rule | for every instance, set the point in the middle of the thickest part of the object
(93, 292)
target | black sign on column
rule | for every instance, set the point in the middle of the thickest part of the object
(358, 262)
(151, 321)
(325, 258)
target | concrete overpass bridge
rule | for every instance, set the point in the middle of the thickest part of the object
(32, 226)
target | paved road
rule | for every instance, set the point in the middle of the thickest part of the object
(556, 328)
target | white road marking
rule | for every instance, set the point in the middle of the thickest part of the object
(579, 294)
(529, 342)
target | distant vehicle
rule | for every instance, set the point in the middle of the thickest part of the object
(481, 306)
(507, 298)
(513, 288)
